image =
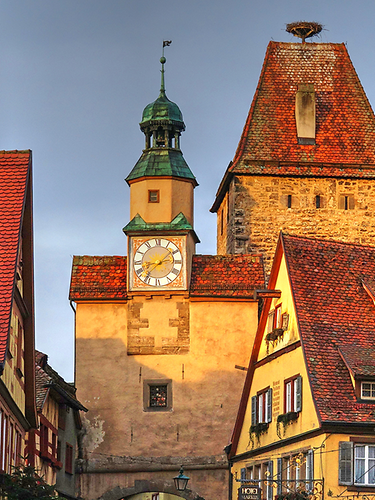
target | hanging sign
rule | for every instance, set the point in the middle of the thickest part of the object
(247, 492)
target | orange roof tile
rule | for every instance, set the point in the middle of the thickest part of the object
(345, 123)
(226, 275)
(98, 278)
(335, 311)
(14, 172)
(104, 278)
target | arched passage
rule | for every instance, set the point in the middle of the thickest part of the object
(143, 487)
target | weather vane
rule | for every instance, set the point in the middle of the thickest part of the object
(166, 43)
(304, 29)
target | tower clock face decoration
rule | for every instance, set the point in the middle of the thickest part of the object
(157, 262)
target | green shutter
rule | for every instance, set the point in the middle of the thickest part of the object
(269, 406)
(254, 410)
(298, 403)
(270, 481)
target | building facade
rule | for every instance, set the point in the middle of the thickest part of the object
(17, 373)
(306, 418)
(160, 357)
(52, 447)
(305, 163)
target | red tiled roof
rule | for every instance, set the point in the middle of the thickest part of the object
(212, 275)
(226, 275)
(14, 170)
(42, 380)
(335, 311)
(98, 278)
(345, 123)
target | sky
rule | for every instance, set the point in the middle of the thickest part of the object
(75, 76)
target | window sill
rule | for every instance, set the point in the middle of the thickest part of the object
(361, 487)
(286, 419)
(257, 431)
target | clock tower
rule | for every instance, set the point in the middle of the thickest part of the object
(161, 237)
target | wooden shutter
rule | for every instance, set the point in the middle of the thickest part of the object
(345, 462)
(269, 406)
(243, 473)
(270, 481)
(298, 402)
(254, 410)
(279, 489)
(69, 459)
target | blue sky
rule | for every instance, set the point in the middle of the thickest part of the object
(74, 79)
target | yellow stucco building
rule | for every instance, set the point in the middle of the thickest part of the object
(306, 420)
(160, 351)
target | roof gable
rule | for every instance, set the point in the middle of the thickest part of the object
(345, 123)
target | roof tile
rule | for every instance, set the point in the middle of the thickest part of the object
(345, 122)
(335, 311)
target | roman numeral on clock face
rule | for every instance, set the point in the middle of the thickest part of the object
(175, 271)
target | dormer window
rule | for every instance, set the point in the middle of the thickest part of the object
(367, 390)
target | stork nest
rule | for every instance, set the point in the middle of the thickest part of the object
(303, 29)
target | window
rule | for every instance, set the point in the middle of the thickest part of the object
(357, 463)
(368, 390)
(153, 196)
(293, 394)
(261, 407)
(289, 202)
(260, 474)
(317, 201)
(270, 321)
(295, 472)
(346, 202)
(69, 459)
(277, 318)
(157, 395)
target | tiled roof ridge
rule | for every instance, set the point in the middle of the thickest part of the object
(327, 241)
(22, 151)
(242, 143)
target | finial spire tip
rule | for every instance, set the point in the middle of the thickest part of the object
(166, 43)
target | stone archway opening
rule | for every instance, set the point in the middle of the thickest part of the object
(150, 490)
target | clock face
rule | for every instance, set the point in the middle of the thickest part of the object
(157, 262)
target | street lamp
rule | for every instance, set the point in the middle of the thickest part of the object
(181, 481)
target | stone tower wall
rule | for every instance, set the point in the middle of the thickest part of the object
(255, 209)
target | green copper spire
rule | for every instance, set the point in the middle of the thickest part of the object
(162, 124)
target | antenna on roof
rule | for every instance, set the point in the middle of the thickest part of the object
(304, 29)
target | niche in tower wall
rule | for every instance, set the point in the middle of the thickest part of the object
(158, 326)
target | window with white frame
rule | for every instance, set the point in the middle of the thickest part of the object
(295, 472)
(368, 390)
(357, 463)
(261, 407)
(293, 394)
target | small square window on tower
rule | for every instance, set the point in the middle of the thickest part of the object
(157, 395)
(153, 196)
(346, 202)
